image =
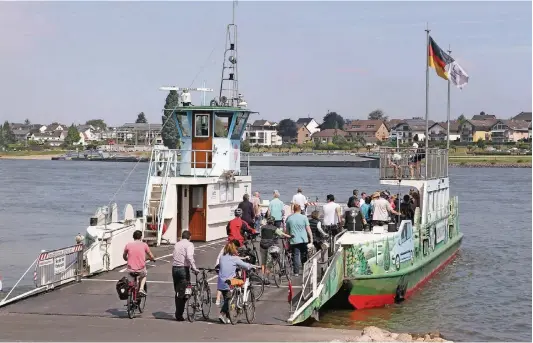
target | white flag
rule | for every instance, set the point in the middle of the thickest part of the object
(458, 75)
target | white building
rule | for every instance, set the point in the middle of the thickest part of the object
(310, 124)
(263, 133)
(406, 130)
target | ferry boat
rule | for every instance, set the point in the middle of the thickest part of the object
(388, 264)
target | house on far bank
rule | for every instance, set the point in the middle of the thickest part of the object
(475, 130)
(483, 116)
(370, 130)
(54, 138)
(523, 116)
(326, 136)
(303, 135)
(311, 124)
(406, 130)
(263, 133)
(56, 127)
(504, 131)
(438, 131)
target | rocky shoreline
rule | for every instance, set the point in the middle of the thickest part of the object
(489, 165)
(374, 334)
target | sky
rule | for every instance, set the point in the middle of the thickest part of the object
(73, 61)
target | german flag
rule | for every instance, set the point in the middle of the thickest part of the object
(438, 59)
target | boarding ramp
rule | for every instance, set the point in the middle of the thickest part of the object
(322, 279)
(51, 269)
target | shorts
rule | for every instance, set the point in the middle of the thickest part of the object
(266, 259)
(142, 273)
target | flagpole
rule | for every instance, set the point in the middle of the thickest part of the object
(448, 111)
(427, 96)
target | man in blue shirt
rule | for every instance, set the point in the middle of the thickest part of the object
(298, 227)
(275, 209)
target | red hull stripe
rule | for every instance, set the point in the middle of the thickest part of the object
(379, 300)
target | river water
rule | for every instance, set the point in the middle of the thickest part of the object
(484, 295)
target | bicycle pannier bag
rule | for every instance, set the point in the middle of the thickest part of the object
(122, 288)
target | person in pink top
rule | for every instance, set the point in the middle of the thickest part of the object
(135, 254)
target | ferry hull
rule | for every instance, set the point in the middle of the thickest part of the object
(381, 291)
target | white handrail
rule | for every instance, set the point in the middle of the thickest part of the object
(16, 284)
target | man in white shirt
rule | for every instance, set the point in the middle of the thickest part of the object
(332, 215)
(300, 199)
(362, 200)
(381, 210)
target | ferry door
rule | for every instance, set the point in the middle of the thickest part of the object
(197, 212)
(202, 141)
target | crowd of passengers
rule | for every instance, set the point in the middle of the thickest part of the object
(294, 231)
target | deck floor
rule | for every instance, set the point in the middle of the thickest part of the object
(96, 296)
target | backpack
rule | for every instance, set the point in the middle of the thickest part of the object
(122, 288)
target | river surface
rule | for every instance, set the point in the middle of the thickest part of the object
(483, 295)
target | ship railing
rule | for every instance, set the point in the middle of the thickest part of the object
(51, 269)
(199, 162)
(412, 163)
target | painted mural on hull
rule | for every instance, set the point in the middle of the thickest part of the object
(390, 269)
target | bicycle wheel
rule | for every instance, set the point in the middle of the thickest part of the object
(191, 308)
(276, 272)
(258, 285)
(233, 310)
(130, 305)
(249, 308)
(205, 299)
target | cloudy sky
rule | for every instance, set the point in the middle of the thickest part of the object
(74, 61)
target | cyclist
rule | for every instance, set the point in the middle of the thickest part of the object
(217, 266)
(237, 226)
(269, 237)
(228, 265)
(135, 254)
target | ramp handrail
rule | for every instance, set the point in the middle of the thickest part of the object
(52, 268)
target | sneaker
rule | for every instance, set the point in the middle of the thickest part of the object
(266, 282)
(217, 303)
(223, 319)
(296, 275)
(142, 292)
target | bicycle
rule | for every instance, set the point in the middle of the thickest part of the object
(242, 300)
(198, 295)
(278, 265)
(250, 250)
(135, 301)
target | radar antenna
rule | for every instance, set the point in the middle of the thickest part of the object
(184, 93)
(229, 84)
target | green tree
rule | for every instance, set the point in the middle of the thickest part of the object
(73, 136)
(6, 135)
(332, 120)
(245, 146)
(339, 140)
(170, 131)
(461, 120)
(287, 128)
(141, 118)
(480, 143)
(97, 124)
(27, 122)
(377, 115)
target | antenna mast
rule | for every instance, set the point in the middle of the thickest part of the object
(229, 84)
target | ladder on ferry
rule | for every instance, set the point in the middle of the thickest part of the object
(155, 203)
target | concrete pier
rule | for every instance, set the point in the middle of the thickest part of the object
(91, 311)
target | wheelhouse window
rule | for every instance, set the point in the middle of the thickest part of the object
(222, 123)
(184, 124)
(240, 120)
(201, 125)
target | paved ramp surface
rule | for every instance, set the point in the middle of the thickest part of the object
(96, 297)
